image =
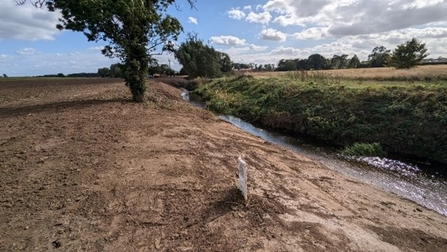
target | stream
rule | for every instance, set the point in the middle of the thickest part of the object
(419, 182)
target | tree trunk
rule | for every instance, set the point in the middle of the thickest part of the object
(136, 67)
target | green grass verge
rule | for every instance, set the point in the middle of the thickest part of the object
(404, 117)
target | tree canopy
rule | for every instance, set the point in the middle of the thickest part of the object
(354, 62)
(133, 29)
(201, 60)
(379, 56)
(408, 54)
(339, 62)
(317, 62)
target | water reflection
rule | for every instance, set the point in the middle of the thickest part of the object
(394, 176)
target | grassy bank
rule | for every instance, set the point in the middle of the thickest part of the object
(403, 117)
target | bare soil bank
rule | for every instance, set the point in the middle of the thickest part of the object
(82, 168)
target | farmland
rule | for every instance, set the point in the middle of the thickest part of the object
(83, 168)
(420, 73)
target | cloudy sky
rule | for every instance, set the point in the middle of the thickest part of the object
(250, 31)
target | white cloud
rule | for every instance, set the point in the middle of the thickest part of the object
(96, 48)
(26, 22)
(27, 51)
(236, 14)
(272, 34)
(355, 17)
(290, 52)
(192, 20)
(258, 48)
(227, 40)
(313, 33)
(374, 18)
(248, 7)
(262, 18)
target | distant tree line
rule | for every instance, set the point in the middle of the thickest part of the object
(60, 75)
(253, 66)
(406, 55)
(116, 70)
(318, 62)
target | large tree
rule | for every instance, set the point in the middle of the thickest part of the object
(133, 29)
(287, 64)
(354, 62)
(317, 62)
(339, 62)
(379, 56)
(408, 54)
(201, 60)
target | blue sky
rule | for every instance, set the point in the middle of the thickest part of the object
(250, 31)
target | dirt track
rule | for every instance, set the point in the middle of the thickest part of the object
(85, 169)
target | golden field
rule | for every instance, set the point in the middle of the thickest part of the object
(427, 72)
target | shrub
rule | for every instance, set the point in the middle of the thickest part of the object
(364, 149)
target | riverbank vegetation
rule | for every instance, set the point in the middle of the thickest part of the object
(408, 117)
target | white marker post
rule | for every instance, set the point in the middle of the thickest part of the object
(243, 177)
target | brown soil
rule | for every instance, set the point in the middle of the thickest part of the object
(85, 169)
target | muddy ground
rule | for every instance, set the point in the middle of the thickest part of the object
(85, 169)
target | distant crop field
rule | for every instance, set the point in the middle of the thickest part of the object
(420, 73)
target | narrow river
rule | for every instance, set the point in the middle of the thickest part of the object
(407, 180)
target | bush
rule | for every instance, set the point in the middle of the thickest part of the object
(364, 149)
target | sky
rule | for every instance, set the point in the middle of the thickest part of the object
(250, 31)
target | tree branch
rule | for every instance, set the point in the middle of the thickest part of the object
(35, 3)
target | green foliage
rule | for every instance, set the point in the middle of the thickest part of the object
(83, 75)
(339, 62)
(166, 69)
(183, 71)
(364, 149)
(155, 68)
(133, 28)
(287, 65)
(104, 72)
(408, 54)
(405, 118)
(317, 62)
(239, 66)
(200, 60)
(354, 62)
(314, 62)
(379, 56)
(116, 70)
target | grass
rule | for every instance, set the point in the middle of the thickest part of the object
(364, 149)
(401, 116)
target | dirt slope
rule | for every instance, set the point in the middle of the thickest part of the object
(84, 169)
